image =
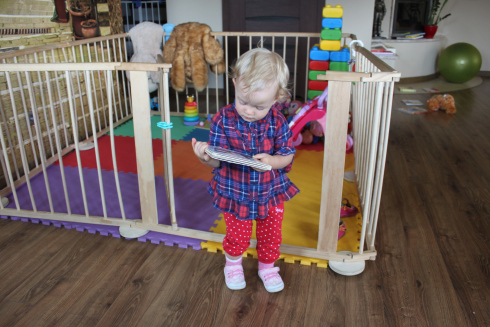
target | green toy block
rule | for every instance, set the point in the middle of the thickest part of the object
(341, 66)
(313, 93)
(331, 34)
(313, 74)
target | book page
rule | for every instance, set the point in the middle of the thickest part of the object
(235, 157)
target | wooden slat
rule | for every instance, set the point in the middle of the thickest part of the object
(66, 217)
(143, 144)
(49, 47)
(333, 164)
(143, 66)
(59, 66)
(331, 75)
(285, 248)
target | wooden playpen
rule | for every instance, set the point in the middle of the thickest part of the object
(58, 98)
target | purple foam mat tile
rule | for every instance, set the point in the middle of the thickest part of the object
(56, 223)
(171, 240)
(193, 204)
(104, 230)
(200, 215)
(92, 192)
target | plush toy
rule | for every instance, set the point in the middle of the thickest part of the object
(307, 137)
(147, 38)
(444, 102)
(190, 49)
(316, 128)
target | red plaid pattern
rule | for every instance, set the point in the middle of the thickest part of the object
(241, 190)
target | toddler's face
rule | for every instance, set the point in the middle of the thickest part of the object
(255, 106)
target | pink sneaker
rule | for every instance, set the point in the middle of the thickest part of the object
(347, 209)
(272, 280)
(234, 278)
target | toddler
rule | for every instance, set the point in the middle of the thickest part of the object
(252, 125)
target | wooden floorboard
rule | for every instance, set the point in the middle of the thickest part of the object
(432, 267)
(125, 260)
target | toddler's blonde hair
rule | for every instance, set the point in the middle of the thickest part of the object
(259, 68)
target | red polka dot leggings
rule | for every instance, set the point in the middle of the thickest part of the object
(269, 236)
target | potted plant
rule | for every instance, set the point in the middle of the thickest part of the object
(89, 28)
(79, 12)
(434, 18)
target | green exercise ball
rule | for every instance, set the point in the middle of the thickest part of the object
(459, 62)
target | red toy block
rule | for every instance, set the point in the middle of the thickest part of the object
(317, 85)
(319, 65)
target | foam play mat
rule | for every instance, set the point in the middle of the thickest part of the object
(194, 207)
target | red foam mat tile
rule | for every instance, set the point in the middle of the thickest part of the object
(125, 154)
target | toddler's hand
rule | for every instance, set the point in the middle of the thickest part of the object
(199, 148)
(264, 158)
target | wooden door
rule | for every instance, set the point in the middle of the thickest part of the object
(274, 16)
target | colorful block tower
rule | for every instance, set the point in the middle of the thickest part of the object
(191, 116)
(329, 54)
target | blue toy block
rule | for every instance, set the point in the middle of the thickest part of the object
(332, 23)
(342, 55)
(317, 54)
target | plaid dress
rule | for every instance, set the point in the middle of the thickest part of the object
(241, 190)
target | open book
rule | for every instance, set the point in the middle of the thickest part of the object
(413, 110)
(235, 157)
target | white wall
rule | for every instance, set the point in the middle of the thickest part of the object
(469, 22)
(201, 11)
(358, 18)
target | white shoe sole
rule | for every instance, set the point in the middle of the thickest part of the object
(275, 288)
(236, 286)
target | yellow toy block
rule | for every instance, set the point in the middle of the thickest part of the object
(333, 12)
(330, 45)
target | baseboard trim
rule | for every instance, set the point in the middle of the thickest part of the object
(418, 79)
(484, 73)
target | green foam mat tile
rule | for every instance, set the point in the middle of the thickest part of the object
(179, 130)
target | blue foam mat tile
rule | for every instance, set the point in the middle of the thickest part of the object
(199, 134)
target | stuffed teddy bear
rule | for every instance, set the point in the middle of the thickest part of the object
(444, 102)
(190, 49)
(146, 39)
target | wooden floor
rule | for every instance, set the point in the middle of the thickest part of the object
(432, 267)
